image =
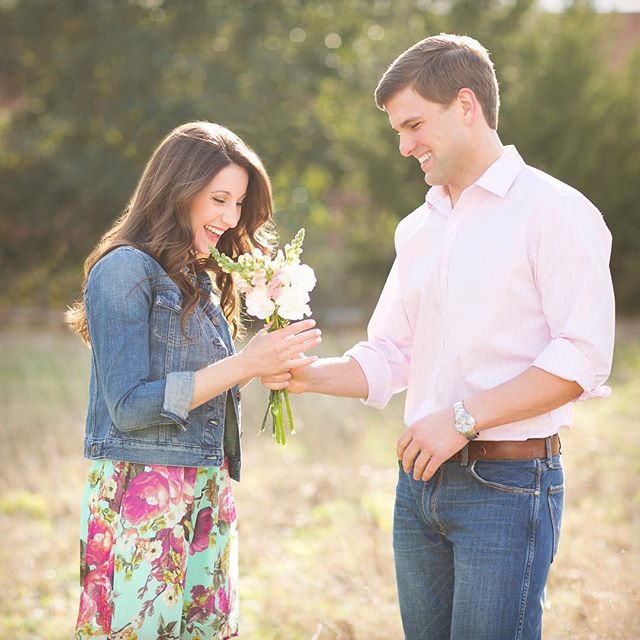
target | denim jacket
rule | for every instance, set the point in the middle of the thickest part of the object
(142, 369)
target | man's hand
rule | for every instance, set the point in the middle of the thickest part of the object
(293, 381)
(425, 445)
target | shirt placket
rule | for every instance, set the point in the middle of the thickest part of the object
(452, 228)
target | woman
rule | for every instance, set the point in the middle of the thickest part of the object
(158, 539)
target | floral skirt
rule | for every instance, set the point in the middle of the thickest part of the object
(158, 553)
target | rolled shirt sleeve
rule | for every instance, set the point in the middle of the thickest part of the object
(118, 301)
(385, 356)
(574, 281)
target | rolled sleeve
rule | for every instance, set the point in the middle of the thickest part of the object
(178, 394)
(577, 296)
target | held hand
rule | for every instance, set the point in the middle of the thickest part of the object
(425, 445)
(269, 353)
(293, 381)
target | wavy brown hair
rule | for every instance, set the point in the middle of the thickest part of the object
(157, 222)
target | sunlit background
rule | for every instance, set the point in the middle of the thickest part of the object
(87, 90)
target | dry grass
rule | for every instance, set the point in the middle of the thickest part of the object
(315, 519)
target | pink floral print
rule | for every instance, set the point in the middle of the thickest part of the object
(158, 553)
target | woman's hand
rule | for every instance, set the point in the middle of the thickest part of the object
(277, 352)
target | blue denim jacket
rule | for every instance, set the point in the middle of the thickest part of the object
(142, 369)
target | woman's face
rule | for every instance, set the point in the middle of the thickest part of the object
(217, 207)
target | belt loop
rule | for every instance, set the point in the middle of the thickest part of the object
(464, 456)
(547, 444)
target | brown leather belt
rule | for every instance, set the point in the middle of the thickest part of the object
(506, 449)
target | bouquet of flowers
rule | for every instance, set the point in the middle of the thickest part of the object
(275, 290)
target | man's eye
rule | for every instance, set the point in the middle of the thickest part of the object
(416, 126)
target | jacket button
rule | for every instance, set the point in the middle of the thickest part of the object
(94, 450)
(238, 396)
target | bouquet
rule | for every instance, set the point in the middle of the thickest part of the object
(275, 290)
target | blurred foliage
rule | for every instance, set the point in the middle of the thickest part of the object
(89, 87)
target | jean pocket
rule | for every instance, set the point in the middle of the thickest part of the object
(555, 499)
(511, 476)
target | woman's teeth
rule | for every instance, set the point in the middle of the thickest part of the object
(213, 230)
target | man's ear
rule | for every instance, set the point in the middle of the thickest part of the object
(469, 105)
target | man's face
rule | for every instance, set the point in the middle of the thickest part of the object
(432, 133)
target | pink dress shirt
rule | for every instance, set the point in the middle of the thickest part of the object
(515, 275)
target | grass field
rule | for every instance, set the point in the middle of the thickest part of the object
(315, 519)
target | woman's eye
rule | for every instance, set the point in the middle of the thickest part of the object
(219, 200)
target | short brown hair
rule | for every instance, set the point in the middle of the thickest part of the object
(438, 67)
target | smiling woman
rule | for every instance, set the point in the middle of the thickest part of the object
(218, 207)
(158, 537)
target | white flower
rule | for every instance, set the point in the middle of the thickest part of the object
(299, 276)
(292, 303)
(172, 594)
(153, 551)
(109, 488)
(259, 304)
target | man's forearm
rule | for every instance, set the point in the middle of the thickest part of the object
(341, 376)
(530, 394)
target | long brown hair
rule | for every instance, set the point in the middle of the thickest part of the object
(156, 219)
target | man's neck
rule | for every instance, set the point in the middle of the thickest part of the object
(483, 154)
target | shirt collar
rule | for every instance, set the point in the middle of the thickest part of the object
(501, 175)
(497, 179)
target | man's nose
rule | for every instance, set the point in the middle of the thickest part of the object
(406, 146)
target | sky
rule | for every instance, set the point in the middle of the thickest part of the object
(601, 5)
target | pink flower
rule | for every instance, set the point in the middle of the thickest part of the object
(204, 524)
(152, 493)
(276, 285)
(224, 605)
(95, 601)
(259, 279)
(226, 506)
(210, 604)
(100, 540)
(147, 496)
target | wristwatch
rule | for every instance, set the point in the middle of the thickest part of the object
(464, 423)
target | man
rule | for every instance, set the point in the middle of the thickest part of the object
(498, 313)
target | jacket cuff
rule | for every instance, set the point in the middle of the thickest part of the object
(178, 394)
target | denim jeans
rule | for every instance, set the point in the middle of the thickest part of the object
(473, 547)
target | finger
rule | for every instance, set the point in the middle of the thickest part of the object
(420, 464)
(299, 338)
(403, 442)
(297, 327)
(276, 378)
(431, 468)
(276, 386)
(304, 346)
(409, 456)
(301, 362)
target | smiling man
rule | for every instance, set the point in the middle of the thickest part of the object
(498, 312)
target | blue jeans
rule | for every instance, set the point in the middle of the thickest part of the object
(473, 547)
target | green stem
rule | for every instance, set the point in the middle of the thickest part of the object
(292, 429)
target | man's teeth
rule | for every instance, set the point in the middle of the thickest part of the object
(211, 229)
(424, 157)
